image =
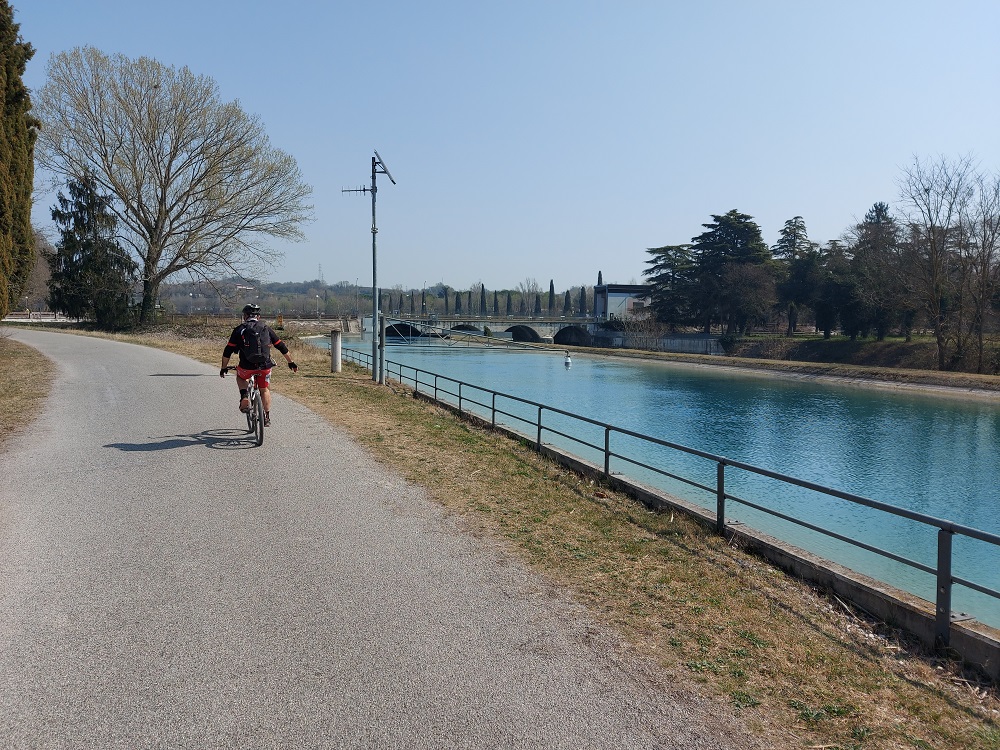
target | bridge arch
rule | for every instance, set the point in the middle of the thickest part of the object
(464, 327)
(524, 333)
(572, 336)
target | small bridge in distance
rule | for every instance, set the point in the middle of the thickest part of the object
(537, 330)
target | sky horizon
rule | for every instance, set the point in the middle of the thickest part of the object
(558, 140)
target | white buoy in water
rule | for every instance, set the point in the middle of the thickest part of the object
(568, 362)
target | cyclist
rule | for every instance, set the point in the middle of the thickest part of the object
(253, 339)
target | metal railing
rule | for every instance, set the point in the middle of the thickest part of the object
(464, 397)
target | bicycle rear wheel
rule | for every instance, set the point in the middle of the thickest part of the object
(257, 407)
(250, 414)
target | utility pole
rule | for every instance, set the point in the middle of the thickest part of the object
(378, 167)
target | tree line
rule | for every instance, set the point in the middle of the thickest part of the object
(930, 265)
(348, 299)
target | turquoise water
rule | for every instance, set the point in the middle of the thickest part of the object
(934, 454)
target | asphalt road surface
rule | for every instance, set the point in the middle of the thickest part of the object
(164, 584)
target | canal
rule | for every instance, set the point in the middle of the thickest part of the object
(932, 453)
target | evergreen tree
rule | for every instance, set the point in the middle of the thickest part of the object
(834, 292)
(567, 304)
(879, 288)
(732, 239)
(670, 274)
(552, 297)
(468, 306)
(496, 305)
(482, 299)
(18, 130)
(799, 268)
(583, 301)
(90, 273)
(510, 305)
(538, 305)
(458, 303)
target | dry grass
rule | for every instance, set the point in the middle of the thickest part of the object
(803, 669)
(27, 383)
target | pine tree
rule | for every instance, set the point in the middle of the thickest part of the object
(18, 130)
(90, 273)
(670, 275)
(552, 297)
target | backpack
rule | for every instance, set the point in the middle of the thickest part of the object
(255, 344)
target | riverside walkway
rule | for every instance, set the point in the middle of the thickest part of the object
(165, 584)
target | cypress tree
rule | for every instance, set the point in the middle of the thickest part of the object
(18, 130)
(552, 297)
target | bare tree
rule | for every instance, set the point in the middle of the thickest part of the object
(935, 200)
(982, 252)
(199, 187)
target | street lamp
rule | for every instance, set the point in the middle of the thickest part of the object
(317, 307)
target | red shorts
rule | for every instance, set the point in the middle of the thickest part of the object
(263, 377)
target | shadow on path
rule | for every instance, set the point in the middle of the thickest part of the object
(218, 439)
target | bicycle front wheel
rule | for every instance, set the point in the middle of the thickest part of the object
(258, 417)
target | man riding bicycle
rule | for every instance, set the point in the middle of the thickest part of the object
(253, 339)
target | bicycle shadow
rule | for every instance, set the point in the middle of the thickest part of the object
(227, 439)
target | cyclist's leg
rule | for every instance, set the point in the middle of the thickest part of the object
(242, 383)
(264, 381)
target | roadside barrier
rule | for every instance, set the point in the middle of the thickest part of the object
(538, 421)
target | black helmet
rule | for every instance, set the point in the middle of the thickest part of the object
(251, 310)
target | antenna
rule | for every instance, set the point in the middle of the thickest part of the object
(385, 169)
(378, 363)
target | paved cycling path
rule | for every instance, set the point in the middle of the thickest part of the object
(163, 584)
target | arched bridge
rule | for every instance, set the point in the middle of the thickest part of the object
(562, 331)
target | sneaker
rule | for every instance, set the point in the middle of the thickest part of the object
(267, 419)
(244, 405)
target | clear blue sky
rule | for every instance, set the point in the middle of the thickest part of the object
(553, 140)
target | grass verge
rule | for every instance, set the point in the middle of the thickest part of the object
(803, 670)
(27, 384)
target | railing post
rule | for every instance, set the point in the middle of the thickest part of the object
(493, 410)
(607, 451)
(460, 397)
(942, 625)
(538, 439)
(720, 497)
(435, 387)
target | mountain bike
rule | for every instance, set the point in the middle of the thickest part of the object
(255, 414)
